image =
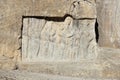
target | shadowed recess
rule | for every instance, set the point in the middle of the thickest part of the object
(55, 19)
(96, 31)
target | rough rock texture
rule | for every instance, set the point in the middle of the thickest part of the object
(12, 12)
(108, 28)
(59, 37)
(23, 75)
(108, 20)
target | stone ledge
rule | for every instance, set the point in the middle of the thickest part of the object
(24, 75)
(75, 69)
(7, 65)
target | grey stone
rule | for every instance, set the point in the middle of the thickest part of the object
(51, 40)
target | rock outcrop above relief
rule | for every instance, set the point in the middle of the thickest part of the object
(108, 20)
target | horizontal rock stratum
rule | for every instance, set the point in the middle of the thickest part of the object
(77, 38)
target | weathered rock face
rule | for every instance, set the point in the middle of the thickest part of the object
(12, 13)
(108, 20)
(59, 37)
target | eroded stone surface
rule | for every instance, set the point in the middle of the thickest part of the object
(83, 9)
(11, 13)
(23, 75)
(108, 19)
(61, 34)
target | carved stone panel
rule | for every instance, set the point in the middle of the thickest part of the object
(53, 39)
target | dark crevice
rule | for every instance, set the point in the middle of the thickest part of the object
(84, 18)
(47, 18)
(57, 19)
(20, 38)
(96, 31)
